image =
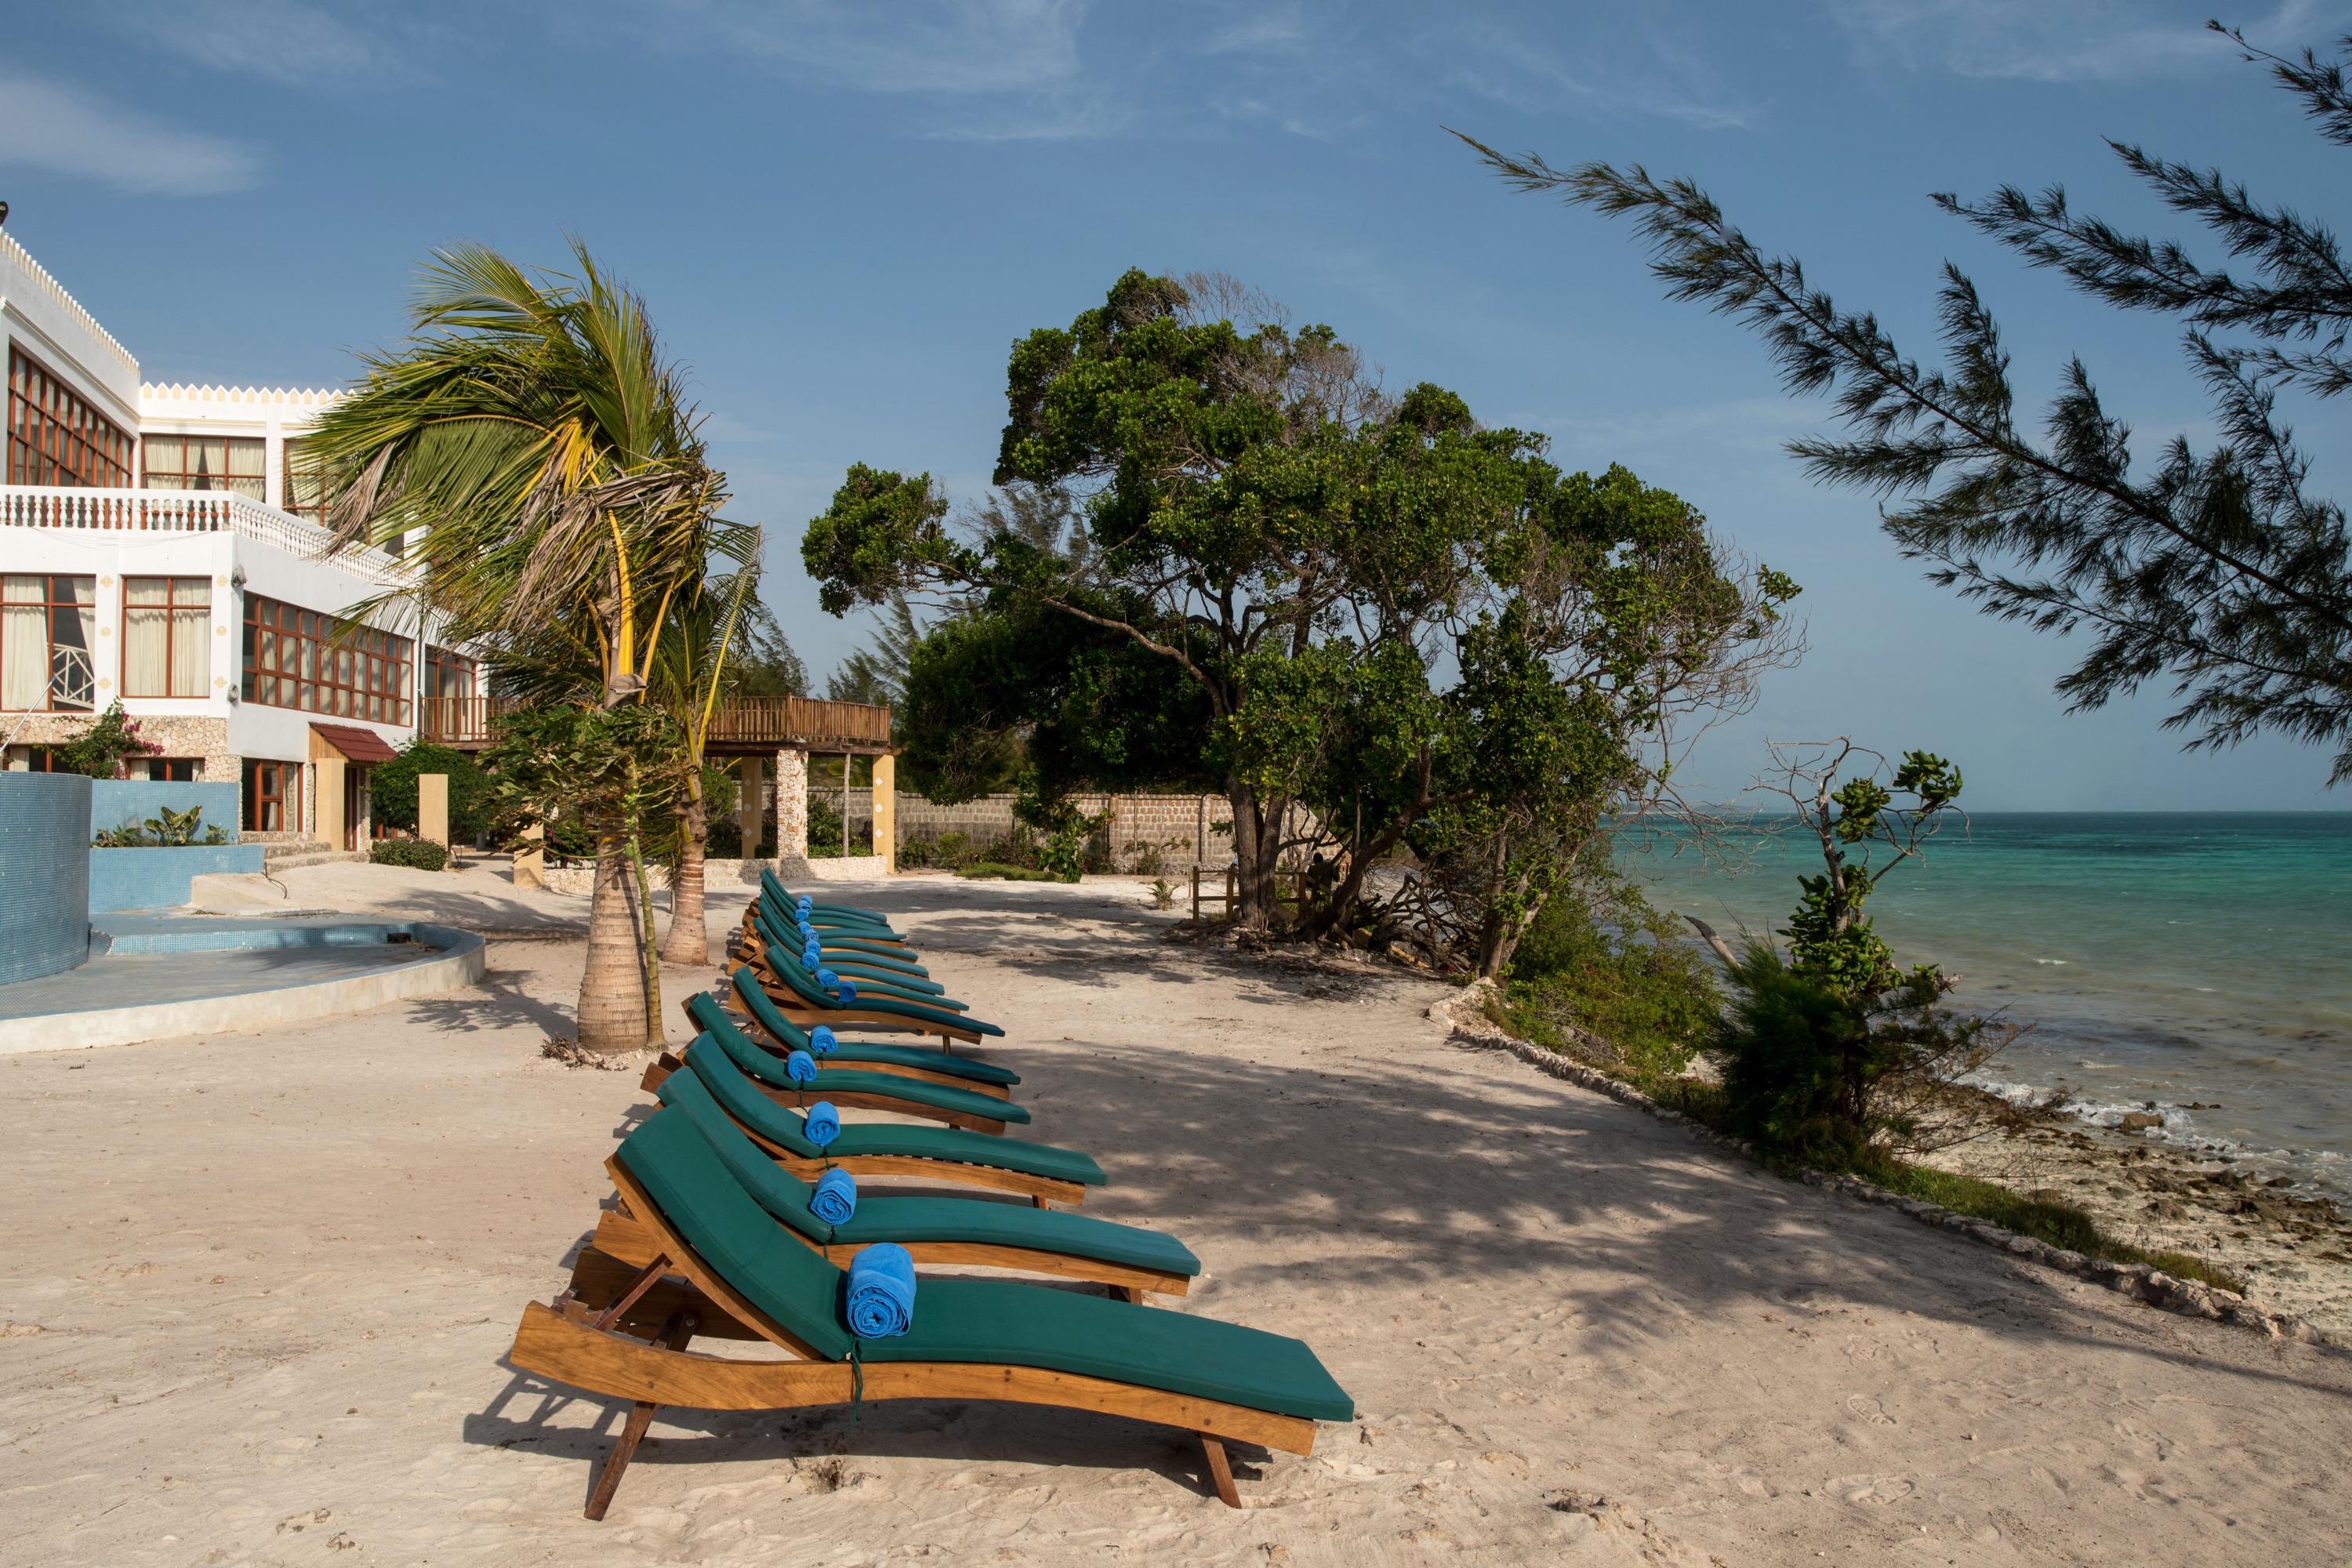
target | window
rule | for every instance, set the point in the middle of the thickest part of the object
(205, 463)
(301, 491)
(167, 624)
(176, 770)
(54, 438)
(48, 627)
(34, 760)
(273, 796)
(293, 659)
(447, 674)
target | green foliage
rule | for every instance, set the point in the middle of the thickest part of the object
(996, 868)
(101, 751)
(171, 830)
(417, 854)
(393, 789)
(1601, 960)
(2216, 571)
(2057, 1223)
(763, 663)
(584, 773)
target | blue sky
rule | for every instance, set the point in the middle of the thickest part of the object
(843, 214)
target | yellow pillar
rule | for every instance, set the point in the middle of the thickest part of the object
(327, 810)
(531, 857)
(433, 808)
(885, 811)
(747, 805)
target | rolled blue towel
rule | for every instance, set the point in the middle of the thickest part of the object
(849, 993)
(804, 903)
(822, 1040)
(808, 931)
(811, 957)
(827, 978)
(801, 1068)
(822, 1122)
(835, 1198)
(881, 1292)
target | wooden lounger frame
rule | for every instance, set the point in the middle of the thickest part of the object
(568, 1344)
(970, 1121)
(621, 1235)
(1039, 1190)
(792, 1007)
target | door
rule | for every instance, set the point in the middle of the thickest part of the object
(354, 801)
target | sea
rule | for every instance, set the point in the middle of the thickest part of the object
(2199, 966)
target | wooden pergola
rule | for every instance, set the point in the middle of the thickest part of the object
(742, 727)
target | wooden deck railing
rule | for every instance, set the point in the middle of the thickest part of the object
(740, 722)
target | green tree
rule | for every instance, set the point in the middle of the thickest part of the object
(534, 459)
(392, 791)
(2216, 570)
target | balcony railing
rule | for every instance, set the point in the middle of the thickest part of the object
(740, 722)
(180, 511)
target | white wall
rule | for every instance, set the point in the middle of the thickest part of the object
(39, 316)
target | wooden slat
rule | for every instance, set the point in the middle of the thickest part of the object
(808, 722)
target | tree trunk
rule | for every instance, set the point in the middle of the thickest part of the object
(1254, 848)
(688, 941)
(612, 1011)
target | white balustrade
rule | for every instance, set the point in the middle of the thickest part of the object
(183, 511)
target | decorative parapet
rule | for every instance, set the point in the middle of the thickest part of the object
(37, 276)
(301, 397)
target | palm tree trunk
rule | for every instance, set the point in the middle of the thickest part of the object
(613, 1000)
(688, 941)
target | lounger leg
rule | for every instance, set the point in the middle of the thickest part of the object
(674, 1334)
(1128, 1293)
(1219, 1472)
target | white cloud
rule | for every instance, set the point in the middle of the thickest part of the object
(2044, 40)
(1501, 63)
(61, 129)
(279, 40)
(964, 46)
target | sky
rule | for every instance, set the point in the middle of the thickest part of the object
(842, 215)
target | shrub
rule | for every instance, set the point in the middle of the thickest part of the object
(725, 839)
(101, 751)
(1606, 961)
(417, 853)
(1012, 873)
(392, 788)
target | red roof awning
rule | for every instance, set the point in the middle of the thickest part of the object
(357, 745)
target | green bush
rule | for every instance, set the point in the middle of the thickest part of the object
(417, 853)
(392, 788)
(1012, 873)
(1607, 962)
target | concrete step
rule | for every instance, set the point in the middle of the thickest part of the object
(288, 857)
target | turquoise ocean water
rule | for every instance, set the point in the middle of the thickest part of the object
(2200, 962)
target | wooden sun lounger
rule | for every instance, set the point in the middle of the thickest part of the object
(634, 1349)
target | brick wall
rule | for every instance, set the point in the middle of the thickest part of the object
(1171, 823)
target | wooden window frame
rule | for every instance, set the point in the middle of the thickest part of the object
(171, 623)
(287, 794)
(292, 658)
(49, 604)
(183, 478)
(56, 436)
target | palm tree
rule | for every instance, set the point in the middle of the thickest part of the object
(530, 454)
(692, 667)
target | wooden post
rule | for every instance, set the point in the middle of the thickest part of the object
(1196, 892)
(531, 857)
(748, 815)
(433, 808)
(1200, 851)
(885, 811)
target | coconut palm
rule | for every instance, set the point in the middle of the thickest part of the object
(532, 457)
(692, 666)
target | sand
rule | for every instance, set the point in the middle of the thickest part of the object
(258, 1288)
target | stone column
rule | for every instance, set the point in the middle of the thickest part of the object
(327, 804)
(531, 859)
(885, 811)
(748, 811)
(792, 805)
(433, 808)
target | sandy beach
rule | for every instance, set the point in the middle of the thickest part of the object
(259, 1287)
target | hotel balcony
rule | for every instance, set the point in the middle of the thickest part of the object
(124, 510)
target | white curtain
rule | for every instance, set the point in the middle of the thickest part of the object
(192, 660)
(146, 637)
(24, 657)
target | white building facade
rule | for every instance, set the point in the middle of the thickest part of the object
(161, 545)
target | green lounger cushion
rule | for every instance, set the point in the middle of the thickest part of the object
(881, 1216)
(981, 1321)
(787, 970)
(758, 1064)
(722, 1073)
(876, 953)
(781, 959)
(792, 1038)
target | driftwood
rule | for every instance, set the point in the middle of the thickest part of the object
(1706, 934)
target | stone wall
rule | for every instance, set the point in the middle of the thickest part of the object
(180, 735)
(1171, 825)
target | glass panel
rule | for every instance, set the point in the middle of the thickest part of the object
(191, 652)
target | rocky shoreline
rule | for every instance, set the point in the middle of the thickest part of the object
(2294, 1253)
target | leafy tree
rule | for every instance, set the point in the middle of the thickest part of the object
(101, 751)
(765, 665)
(2216, 570)
(535, 461)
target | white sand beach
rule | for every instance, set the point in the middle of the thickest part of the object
(258, 1287)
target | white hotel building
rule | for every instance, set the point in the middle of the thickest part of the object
(160, 544)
